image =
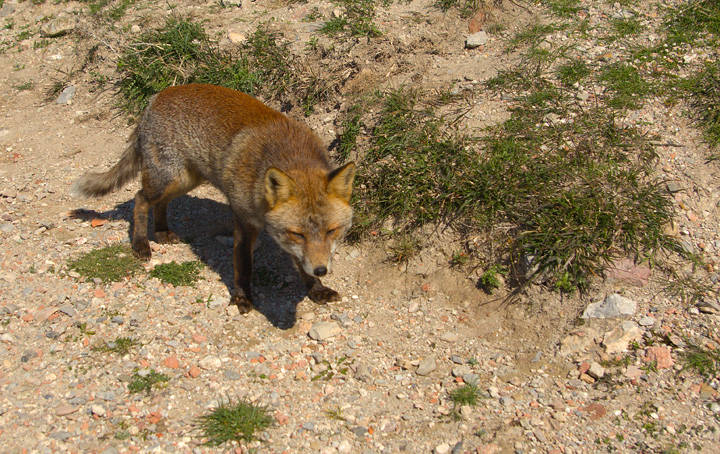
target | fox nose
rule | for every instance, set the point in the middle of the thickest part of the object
(320, 271)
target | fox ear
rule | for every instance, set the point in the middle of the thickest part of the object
(278, 186)
(341, 181)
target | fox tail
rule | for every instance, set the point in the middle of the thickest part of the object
(98, 184)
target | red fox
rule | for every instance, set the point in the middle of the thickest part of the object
(273, 170)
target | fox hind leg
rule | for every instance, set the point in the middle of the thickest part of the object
(157, 191)
(140, 241)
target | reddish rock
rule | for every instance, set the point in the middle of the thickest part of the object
(194, 372)
(199, 338)
(584, 367)
(477, 22)
(98, 222)
(172, 362)
(99, 293)
(627, 271)
(660, 355)
(595, 411)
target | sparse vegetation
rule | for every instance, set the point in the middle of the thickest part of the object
(109, 264)
(233, 422)
(701, 360)
(356, 20)
(122, 345)
(145, 381)
(186, 273)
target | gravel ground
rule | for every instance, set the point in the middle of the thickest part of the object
(370, 374)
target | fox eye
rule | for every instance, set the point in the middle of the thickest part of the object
(296, 236)
(331, 231)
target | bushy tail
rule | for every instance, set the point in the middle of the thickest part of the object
(98, 184)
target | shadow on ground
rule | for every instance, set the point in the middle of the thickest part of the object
(206, 225)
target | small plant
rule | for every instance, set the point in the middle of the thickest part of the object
(186, 273)
(405, 247)
(109, 264)
(121, 345)
(459, 259)
(24, 86)
(233, 421)
(489, 280)
(335, 414)
(467, 394)
(145, 382)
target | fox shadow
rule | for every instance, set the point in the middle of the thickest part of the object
(207, 226)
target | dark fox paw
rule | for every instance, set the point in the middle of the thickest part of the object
(167, 237)
(243, 303)
(323, 295)
(141, 249)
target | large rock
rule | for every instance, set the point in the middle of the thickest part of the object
(612, 306)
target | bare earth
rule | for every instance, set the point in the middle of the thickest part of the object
(402, 338)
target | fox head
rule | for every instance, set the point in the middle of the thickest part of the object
(309, 213)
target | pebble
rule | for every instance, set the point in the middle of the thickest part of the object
(506, 400)
(476, 40)
(66, 95)
(210, 363)
(442, 448)
(427, 365)
(646, 321)
(98, 409)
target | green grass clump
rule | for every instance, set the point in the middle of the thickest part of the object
(145, 383)
(109, 264)
(357, 20)
(181, 52)
(572, 72)
(695, 21)
(704, 362)
(563, 8)
(576, 187)
(233, 421)
(626, 86)
(489, 280)
(703, 90)
(186, 273)
(121, 346)
(467, 394)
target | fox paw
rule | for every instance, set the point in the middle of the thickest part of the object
(243, 303)
(141, 250)
(167, 237)
(323, 295)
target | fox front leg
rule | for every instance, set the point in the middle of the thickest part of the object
(244, 236)
(316, 290)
